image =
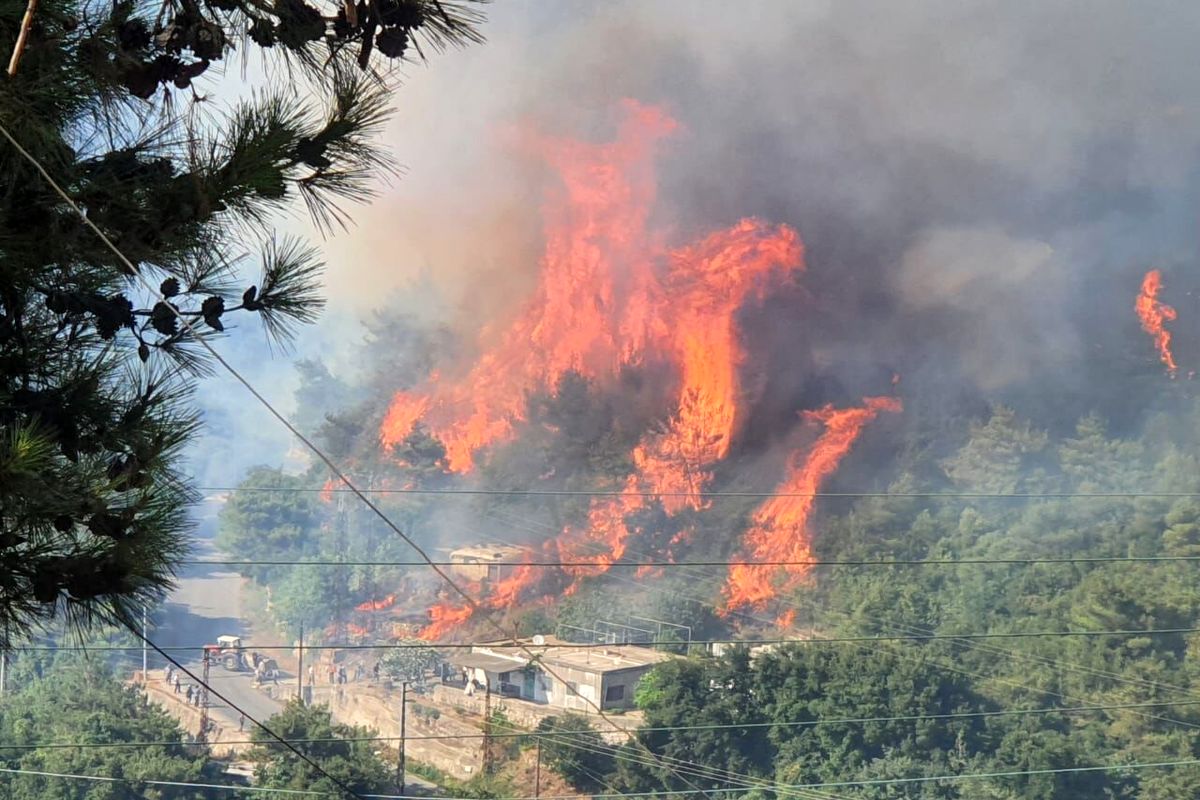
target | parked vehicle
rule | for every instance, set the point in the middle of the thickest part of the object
(228, 652)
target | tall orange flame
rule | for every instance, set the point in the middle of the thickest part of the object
(779, 526)
(592, 311)
(1154, 315)
(377, 605)
(610, 295)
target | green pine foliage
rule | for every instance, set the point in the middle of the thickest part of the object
(340, 750)
(98, 353)
(82, 702)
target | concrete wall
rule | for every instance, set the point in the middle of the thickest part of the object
(379, 709)
(189, 719)
(527, 715)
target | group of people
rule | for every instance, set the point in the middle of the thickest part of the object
(193, 693)
(338, 675)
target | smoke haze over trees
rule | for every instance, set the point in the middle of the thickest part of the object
(979, 191)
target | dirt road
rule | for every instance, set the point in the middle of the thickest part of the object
(207, 604)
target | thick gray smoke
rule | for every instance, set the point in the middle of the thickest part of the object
(980, 185)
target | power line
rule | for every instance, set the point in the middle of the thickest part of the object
(1018, 712)
(667, 793)
(860, 562)
(475, 606)
(656, 642)
(898, 781)
(703, 493)
(152, 782)
(217, 786)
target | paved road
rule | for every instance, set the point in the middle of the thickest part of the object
(207, 604)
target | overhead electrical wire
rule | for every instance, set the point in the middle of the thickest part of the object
(1136, 765)
(703, 493)
(535, 734)
(1130, 766)
(170, 784)
(836, 562)
(816, 640)
(134, 271)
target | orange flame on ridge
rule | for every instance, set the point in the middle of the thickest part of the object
(591, 311)
(609, 296)
(1154, 315)
(779, 526)
(377, 605)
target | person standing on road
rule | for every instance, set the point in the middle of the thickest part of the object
(189, 694)
(312, 676)
(241, 722)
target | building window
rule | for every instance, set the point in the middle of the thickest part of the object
(504, 677)
(572, 689)
(614, 694)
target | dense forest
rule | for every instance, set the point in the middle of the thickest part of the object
(1074, 597)
(65, 715)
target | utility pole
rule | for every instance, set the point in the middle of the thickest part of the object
(339, 546)
(145, 675)
(487, 725)
(537, 771)
(203, 737)
(4, 661)
(400, 765)
(300, 668)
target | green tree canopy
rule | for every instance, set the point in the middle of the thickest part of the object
(81, 702)
(341, 753)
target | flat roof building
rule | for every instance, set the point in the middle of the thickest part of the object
(546, 669)
(485, 562)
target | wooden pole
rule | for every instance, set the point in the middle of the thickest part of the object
(204, 699)
(300, 669)
(145, 674)
(22, 37)
(537, 771)
(487, 725)
(400, 765)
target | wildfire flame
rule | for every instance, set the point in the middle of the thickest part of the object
(1154, 315)
(444, 618)
(611, 295)
(377, 605)
(779, 526)
(591, 311)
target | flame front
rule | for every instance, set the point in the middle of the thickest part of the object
(593, 310)
(779, 527)
(377, 605)
(611, 296)
(1154, 315)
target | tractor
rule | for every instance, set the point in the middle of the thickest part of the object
(228, 652)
